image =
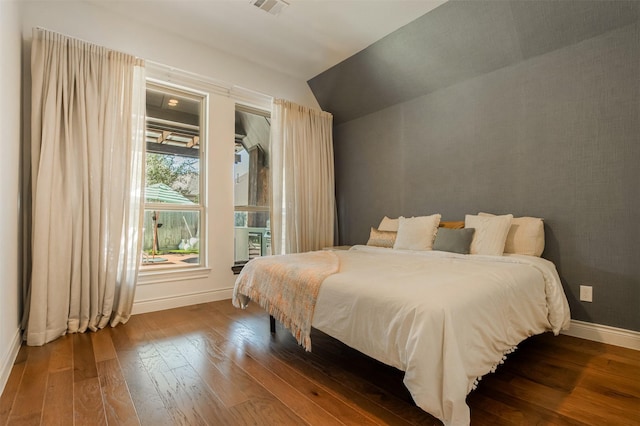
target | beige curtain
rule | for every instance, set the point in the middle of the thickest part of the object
(302, 179)
(87, 124)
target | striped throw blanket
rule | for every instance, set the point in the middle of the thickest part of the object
(287, 287)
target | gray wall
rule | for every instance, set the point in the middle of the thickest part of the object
(554, 135)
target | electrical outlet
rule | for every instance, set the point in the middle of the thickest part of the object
(586, 293)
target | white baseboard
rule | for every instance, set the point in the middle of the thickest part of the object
(170, 302)
(9, 358)
(604, 334)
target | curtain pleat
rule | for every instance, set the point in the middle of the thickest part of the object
(87, 157)
(302, 179)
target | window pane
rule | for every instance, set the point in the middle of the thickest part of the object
(171, 238)
(241, 173)
(172, 179)
(173, 148)
(251, 241)
(251, 185)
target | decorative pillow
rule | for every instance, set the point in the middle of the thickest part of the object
(417, 233)
(454, 240)
(526, 236)
(388, 224)
(452, 225)
(378, 238)
(491, 233)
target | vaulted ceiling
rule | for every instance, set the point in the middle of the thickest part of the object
(304, 39)
(457, 41)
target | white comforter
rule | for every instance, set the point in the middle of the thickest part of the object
(444, 319)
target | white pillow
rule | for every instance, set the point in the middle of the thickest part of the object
(526, 236)
(491, 233)
(417, 233)
(388, 224)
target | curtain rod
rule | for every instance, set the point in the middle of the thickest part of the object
(239, 93)
(84, 41)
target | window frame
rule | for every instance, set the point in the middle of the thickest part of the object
(188, 270)
(266, 113)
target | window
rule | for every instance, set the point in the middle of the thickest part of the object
(251, 184)
(174, 184)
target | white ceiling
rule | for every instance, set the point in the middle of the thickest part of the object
(305, 39)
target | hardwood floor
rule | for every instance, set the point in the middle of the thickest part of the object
(212, 364)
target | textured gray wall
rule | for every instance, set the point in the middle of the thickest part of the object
(457, 41)
(556, 136)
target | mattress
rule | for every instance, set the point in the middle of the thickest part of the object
(444, 319)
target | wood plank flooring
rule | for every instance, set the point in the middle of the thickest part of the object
(212, 364)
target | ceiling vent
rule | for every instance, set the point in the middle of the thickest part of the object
(274, 7)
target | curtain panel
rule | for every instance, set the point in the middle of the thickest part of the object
(87, 153)
(302, 179)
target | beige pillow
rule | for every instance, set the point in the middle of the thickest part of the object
(526, 236)
(378, 238)
(388, 224)
(417, 233)
(491, 233)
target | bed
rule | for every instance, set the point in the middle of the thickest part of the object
(445, 319)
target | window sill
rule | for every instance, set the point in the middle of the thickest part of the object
(237, 267)
(170, 275)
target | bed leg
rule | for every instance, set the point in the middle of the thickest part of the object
(272, 324)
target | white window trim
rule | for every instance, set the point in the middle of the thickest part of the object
(264, 112)
(170, 76)
(166, 75)
(182, 271)
(172, 275)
